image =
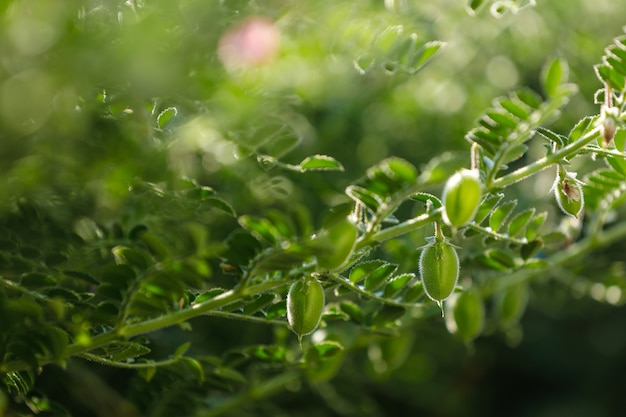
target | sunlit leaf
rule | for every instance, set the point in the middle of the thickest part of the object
(320, 163)
(487, 206)
(353, 311)
(165, 116)
(555, 73)
(500, 215)
(397, 284)
(423, 56)
(551, 136)
(519, 221)
(533, 227)
(376, 270)
(498, 259)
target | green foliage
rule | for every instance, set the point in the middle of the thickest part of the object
(166, 189)
(612, 70)
(505, 129)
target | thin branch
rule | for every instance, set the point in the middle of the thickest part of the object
(243, 317)
(154, 324)
(348, 284)
(546, 161)
(399, 229)
(126, 365)
(497, 236)
(569, 255)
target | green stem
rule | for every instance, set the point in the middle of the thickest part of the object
(128, 300)
(605, 152)
(196, 310)
(148, 326)
(496, 236)
(399, 229)
(241, 317)
(570, 255)
(545, 162)
(126, 365)
(348, 284)
(34, 294)
(475, 156)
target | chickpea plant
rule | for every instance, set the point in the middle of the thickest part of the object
(106, 291)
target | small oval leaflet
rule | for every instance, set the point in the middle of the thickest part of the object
(166, 116)
(320, 163)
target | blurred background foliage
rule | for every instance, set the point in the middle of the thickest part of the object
(106, 105)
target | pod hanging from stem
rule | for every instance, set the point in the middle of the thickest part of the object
(439, 268)
(568, 193)
(461, 197)
(305, 304)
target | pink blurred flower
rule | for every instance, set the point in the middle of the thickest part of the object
(253, 42)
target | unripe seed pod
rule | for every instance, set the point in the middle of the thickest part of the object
(338, 241)
(439, 269)
(305, 303)
(511, 304)
(466, 314)
(609, 118)
(569, 194)
(608, 130)
(461, 197)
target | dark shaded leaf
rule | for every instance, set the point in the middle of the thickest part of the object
(386, 315)
(122, 351)
(258, 304)
(530, 249)
(353, 311)
(276, 310)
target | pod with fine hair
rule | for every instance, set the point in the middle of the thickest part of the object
(439, 268)
(305, 304)
(461, 197)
